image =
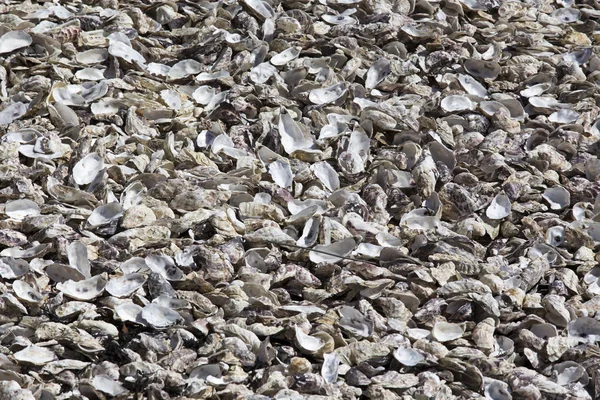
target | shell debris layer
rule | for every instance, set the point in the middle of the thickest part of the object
(332, 199)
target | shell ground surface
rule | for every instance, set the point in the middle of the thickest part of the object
(316, 199)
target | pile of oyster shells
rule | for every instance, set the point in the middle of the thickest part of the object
(299, 199)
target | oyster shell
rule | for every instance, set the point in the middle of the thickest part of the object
(86, 289)
(125, 285)
(19, 209)
(159, 317)
(35, 355)
(14, 40)
(86, 169)
(263, 199)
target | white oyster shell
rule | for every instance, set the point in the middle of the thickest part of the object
(160, 317)
(308, 343)
(292, 137)
(87, 289)
(14, 40)
(19, 209)
(332, 253)
(11, 268)
(455, 103)
(499, 208)
(558, 197)
(408, 357)
(125, 285)
(446, 331)
(281, 173)
(87, 169)
(35, 355)
(328, 95)
(326, 174)
(121, 50)
(103, 215)
(26, 292)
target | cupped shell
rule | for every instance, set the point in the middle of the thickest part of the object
(125, 285)
(160, 317)
(86, 289)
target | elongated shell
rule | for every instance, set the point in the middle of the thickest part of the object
(326, 174)
(377, 73)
